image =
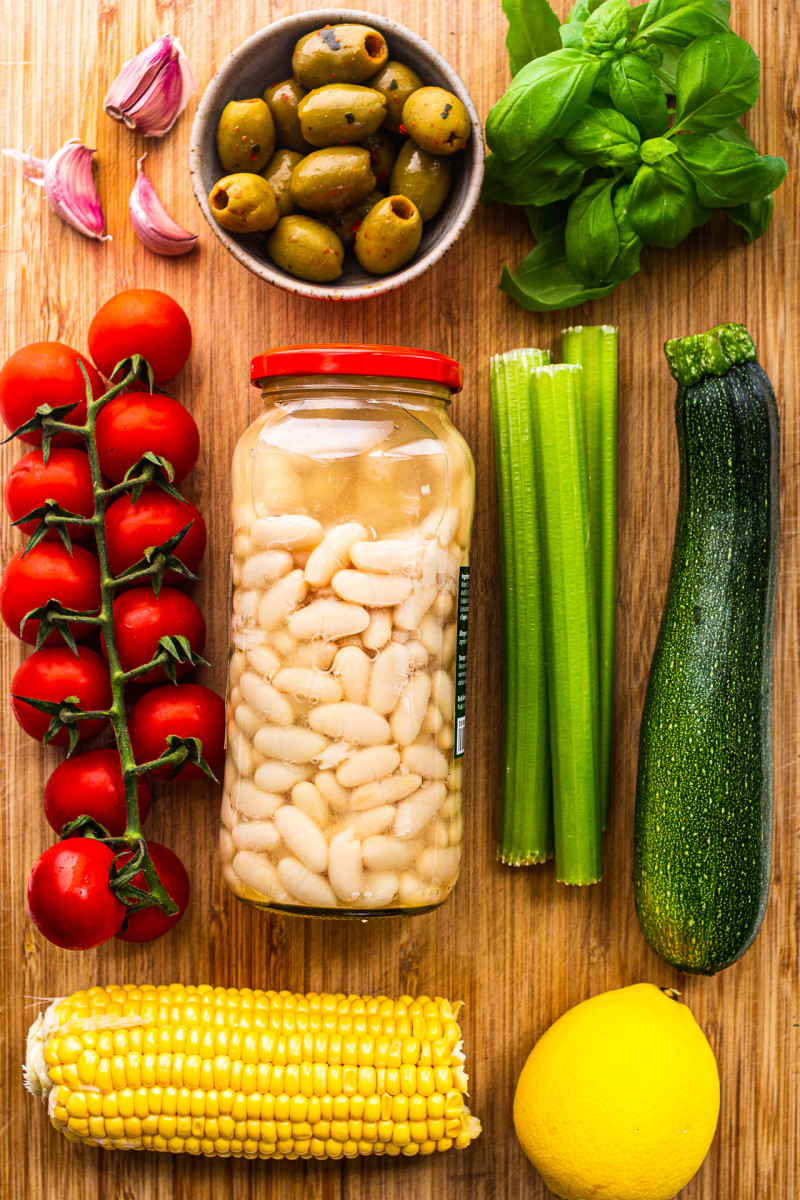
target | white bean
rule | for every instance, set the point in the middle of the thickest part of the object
(414, 813)
(449, 644)
(306, 684)
(285, 644)
(241, 544)
(417, 654)
(242, 516)
(305, 884)
(454, 782)
(379, 630)
(431, 633)
(245, 604)
(379, 890)
(384, 853)
(413, 891)
(247, 719)
(352, 668)
(424, 759)
(444, 738)
(365, 824)
(344, 866)
(456, 830)
(388, 556)
(269, 565)
(328, 619)
(318, 656)
(261, 695)
(303, 837)
(258, 873)
(235, 667)
(241, 750)
(448, 526)
(443, 694)
(291, 532)
(451, 806)
(245, 638)
(226, 812)
(334, 754)
(292, 745)
(409, 614)
(258, 836)
(445, 606)
(389, 677)
(328, 785)
(274, 776)
(226, 850)
(264, 661)
(433, 720)
(373, 591)
(406, 720)
(306, 797)
(385, 791)
(367, 766)
(249, 800)
(438, 566)
(281, 600)
(438, 865)
(332, 552)
(230, 777)
(354, 723)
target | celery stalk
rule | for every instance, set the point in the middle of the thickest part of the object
(559, 429)
(594, 348)
(526, 823)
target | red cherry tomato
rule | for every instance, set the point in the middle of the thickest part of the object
(150, 923)
(66, 478)
(185, 709)
(137, 422)
(141, 321)
(49, 572)
(91, 785)
(69, 897)
(53, 674)
(150, 521)
(141, 618)
(46, 373)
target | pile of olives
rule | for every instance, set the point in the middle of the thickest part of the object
(354, 139)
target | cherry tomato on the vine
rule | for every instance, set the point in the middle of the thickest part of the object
(137, 422)
(141, 321)
(185, 709)
(90, 784)
(69, 896)
(141, 618)
(65, 478)
(54, 674)
(46, 373)
(150, 923)
(154, 518)
(49, 572)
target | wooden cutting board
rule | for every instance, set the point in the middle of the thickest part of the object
(518, 948)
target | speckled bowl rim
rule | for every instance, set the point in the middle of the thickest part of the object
(215, 96)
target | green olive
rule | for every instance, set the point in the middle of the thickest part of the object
(282, 100)
(381, 156)
(338, 54)
(389, 235)
(244, 204)
(306, 248)
(424, 178)
(345, 224)
(329, 180)
(436, 120)
(278, 173)
(245, 136)
(340, 113)
(396, 82)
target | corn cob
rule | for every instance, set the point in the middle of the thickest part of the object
(252, 1074)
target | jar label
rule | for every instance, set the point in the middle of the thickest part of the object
(462, 613)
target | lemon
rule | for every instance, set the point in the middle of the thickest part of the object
(619, 1099)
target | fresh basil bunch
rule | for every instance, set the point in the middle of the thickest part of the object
(621, 129)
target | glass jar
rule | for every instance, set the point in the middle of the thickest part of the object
(352, 510)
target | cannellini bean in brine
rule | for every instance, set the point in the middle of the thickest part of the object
(263, 661)
(328, 619)
(413, 814)
(439, 568)
(352, 668)
(379, 889)
(230, 776)
(274, 776)
(241, 544)
(306, 684)
(365, 824)
(385, 791)
(305, 885)
(424, 759)
(281, 600)
(261, 695)
(456, 830)
(354, 723)
(245, 603)
(410, 613)
(331, 555)
(433, 720)
(454, 782)
(443, 694)
(417, 654)
(444, 738)
(367, 766)
(258, 836)
(449, 644)
(431, 635)
(445, 606)
(373, 591)
(441, 834)
(390, 673)
(317, 655)
(235, 667)
(344, 866)
(388, 556)
(258, 873)
(303, 837)
(328, 785)
(383, 853)
(333, 755)
(379, 630)
(269, 565)
(285, 645)
(242, 517)
(245, 638)
(439, 865)
(451, 806)
(241, 750)
(249, 800)
(448, 526)
(226, 813)
(291, 532)
(226, 850)
(248, 720)
(406, 720)
(234, 698)
(305, 796)
(292, 745)
(413, 891)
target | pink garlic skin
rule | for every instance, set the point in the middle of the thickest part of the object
(151, 222)
(68, 181)
(152, 89)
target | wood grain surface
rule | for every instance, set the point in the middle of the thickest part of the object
(515, 946)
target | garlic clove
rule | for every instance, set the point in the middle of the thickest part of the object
(151, 222)
(68, 181)
(153, 88)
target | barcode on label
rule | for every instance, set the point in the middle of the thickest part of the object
(460, 723)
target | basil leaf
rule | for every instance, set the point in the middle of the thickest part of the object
(717, 81)
(656, 149)
(541, 177)
(636, 93)
(679, 22)
(662, 204)
(578, 13)
(736, 133)
(591, 235)
(571, 36)
(543, 100)
(754, 218)
(543, 282)
(532, 31)
(603, 137)
(727, 174)
(626, 263)
(547, 220)
(606, 26)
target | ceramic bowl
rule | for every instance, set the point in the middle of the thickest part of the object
(265, 58)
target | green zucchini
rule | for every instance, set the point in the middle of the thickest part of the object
(703, 825)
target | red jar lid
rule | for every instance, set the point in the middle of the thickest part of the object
(402, 362)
